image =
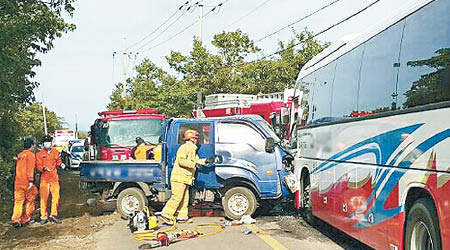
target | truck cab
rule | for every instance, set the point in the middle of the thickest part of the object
(248, 167)
(113, 135)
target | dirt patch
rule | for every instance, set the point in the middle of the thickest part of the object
(79, 221)
(73, 233)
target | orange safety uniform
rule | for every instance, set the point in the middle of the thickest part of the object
(24, 175)
(49, 180)
(141, 151)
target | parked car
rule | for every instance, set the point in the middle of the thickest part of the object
(76, 153)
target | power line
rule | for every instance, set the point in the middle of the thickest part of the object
(184, 29)
(162, 32)
(297, 21)
(248, 14)
(155, 30)
(315, 35)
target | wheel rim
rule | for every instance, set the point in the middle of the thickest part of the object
(130, 203)
(238, 204)
(421, 237)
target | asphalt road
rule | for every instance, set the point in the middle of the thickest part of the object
(279, 228)
(269, 232)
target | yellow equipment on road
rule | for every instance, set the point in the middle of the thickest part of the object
(157, 236)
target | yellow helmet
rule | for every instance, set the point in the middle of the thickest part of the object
(190, 134)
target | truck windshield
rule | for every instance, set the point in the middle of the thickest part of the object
(123, 133)
(265, 125)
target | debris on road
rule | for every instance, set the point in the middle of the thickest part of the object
(247, 219)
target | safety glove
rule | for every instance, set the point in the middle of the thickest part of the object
(201, 162)
(210, 160)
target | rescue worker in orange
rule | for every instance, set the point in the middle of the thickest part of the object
(47, 161)
(25, 191)
(186, 162)
(142, 149)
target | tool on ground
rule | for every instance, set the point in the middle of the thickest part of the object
(142, 220)
(156, 236)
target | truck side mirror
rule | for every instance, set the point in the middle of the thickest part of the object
(270, 145)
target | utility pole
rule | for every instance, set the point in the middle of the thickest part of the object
(76, 126)
(43, 114)
(124, 68)
(200, 16)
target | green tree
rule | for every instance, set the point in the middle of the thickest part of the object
(26, 122)
(225, 71)
(30, 119)
(27, 28)
(143, 90)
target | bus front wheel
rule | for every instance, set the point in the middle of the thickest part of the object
(422, 227)
(306, 211)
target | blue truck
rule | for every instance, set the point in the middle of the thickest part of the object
(249, 167)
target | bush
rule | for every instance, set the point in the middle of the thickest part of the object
(6, 188)
(6, 179)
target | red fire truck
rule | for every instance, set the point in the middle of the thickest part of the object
(113, 136)
(276, 108)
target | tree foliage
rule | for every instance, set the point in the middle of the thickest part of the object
(228, 70)
(31, 121)
(27, 28)
(432, 87)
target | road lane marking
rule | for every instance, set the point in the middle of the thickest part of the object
(273, 243)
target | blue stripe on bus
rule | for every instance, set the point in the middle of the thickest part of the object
(384, 141)
(378, 209)
(388, 142)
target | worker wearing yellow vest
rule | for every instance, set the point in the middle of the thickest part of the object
(182, 177)
(24, 189)
(157, 152)
(142, 149)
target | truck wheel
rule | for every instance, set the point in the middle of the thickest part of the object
(306, 211)
(130, 200)
(422, 227)
(239, 201)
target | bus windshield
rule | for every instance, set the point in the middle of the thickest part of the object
(123, 133)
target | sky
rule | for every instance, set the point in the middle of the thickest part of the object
(78, 75)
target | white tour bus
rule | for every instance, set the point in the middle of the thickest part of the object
(374, 157)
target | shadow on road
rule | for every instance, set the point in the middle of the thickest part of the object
(291, 224)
